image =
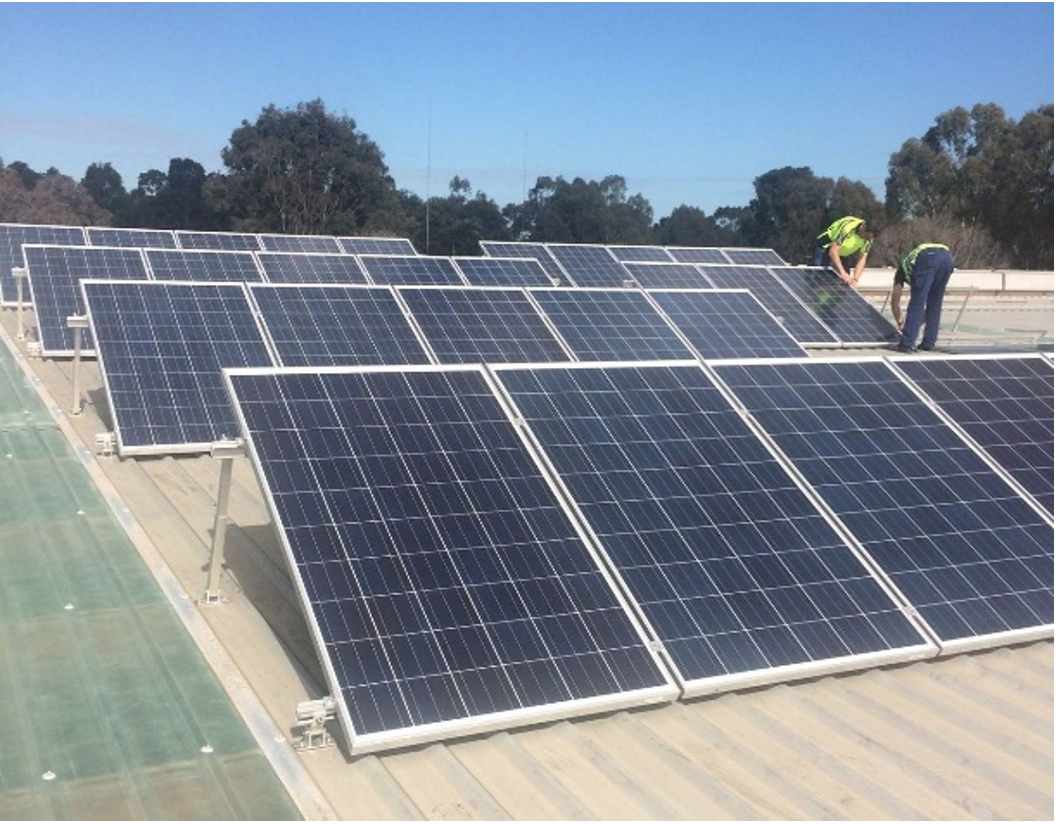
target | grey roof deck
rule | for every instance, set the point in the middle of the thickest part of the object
(969, 736)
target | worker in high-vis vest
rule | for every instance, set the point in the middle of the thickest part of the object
(845, 239)
(927, 268)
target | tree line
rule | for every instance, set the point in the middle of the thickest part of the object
(977, 180)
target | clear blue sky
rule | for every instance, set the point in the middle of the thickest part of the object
(689, 102)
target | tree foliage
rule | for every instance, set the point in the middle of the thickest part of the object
(582, 211)
(456, 224)
(51, 198)
(306, 171)
(983, 170)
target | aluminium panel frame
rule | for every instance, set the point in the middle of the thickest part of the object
(189, 448)
(970, 644)
(691, 688)
(363, 743)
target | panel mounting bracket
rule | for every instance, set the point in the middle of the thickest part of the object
(226, 451)
(311, 718)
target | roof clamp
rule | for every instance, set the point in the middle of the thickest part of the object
(33, 349)
(226, 450)
(311, 719)
(106, 443)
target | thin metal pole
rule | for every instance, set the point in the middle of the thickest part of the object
(19, 275)
(77, 323)
(966, 300)
(220, 531)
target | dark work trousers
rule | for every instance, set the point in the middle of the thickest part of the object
(929, 279)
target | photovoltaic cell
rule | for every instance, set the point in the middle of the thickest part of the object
(666, 275)
(489, 271)
(203, 265)
(627, 254)
(738, 574)
(55, 272)
(838, 306)
(726, 324)
(788, 310)
(130, 238)
(589, 265)
(696, 254)
(482, 325)
(753, 257)
(300, 243)
(230, 241)
(610, 324)
(393, 270)
(447, 589)
(1006, 404)
(12, 236)
(966, 550)
(306, 267)
(313, 325)
(376, 245)
(537, 251)
(161, 347)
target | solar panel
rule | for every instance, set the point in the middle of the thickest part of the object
(54, 272)
(735, 570)
(300, 243)
(307, 267)
(130, 238)
(393, 270)
(610, 324)
(486, 271)
(481, 325)
(666, 275)
(589, 265)
(12, 236)
(726, 323)
(839, 307)
(203, 265)
(447, 589)
(627, 254)
(969, 553)
(696, 254)
(161, 347)
(376, 245)
(794, 316)
(231, 241)
(753, 257)
(537, 251)
(328, 325)
(1005, 403)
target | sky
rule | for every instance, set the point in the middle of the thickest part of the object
(689, 102)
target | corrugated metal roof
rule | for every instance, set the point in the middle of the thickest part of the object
(965, 737)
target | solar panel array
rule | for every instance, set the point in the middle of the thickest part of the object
(211, 265)
(410, 269)
(838, 306)
(486, 271)
(448, 588)
(753, 257)
(484, 325)
(537, 251)
(376, 246)
(304, 267)
(318, 325)
(300, 243)
(725, 324)
(1006, 404)
(130, 238)
(692, 254)
(54, 273)
(968, 552)
(588, 264)
(12, 236)
(666, 275)
(232, 241)
(627, 254)
(162, 346)
(735, 570)
(610, 324)
(795, 317)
